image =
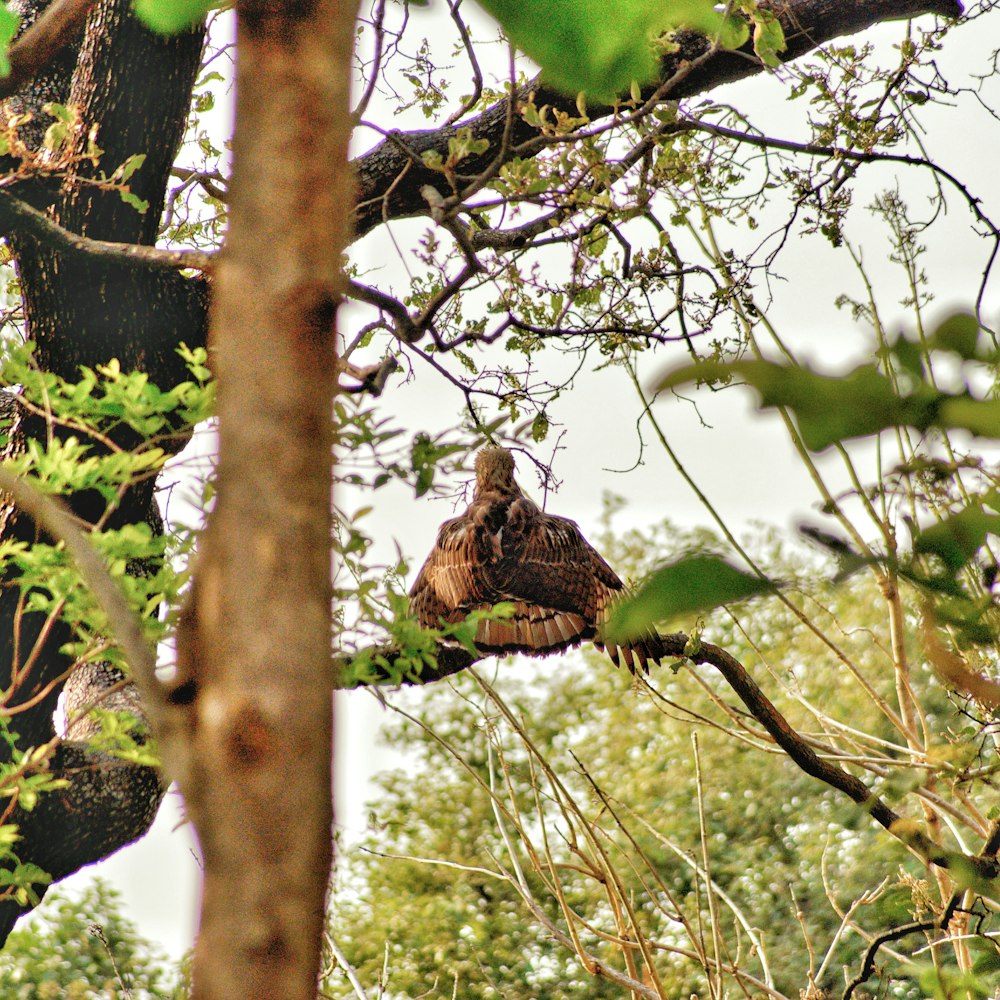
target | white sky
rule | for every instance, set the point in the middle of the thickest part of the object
(741, 459)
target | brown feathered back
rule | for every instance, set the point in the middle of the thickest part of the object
(504, 548)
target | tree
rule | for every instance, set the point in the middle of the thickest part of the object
(571, 800)
(87, 948)
(626, 195)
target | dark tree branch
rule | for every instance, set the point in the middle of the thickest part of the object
(868, 965)
(392, 174)
(453, 659)
(17, 216)
(56, 27)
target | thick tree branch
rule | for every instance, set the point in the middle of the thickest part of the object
(392, 174)
(20, 217)
(252, 747)
(453, 659)
(56, 27)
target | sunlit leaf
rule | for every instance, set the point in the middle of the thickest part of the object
(689, 586)
(9, 23)
(539, 427)
(168, 17)
(139, 204)
(602, 46)
(768, 37)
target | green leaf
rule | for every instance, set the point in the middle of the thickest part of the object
(9, 23)
(139, 204)
(959, 333)
(768, 37)
(958, 538)
(828, 409)
(908, 357)
(130, 166)
(601, 46)
(689, 586)
(55, 136)
(169, 17)
(540, 427)
(863, 402)
(980, 416)
(943, 983)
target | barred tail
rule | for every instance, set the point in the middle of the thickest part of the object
(533, 630)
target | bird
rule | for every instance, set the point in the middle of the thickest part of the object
(504, 548)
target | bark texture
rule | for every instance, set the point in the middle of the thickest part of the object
(83, 311)
(252, 746)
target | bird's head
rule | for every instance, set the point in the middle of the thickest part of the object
(495, 471)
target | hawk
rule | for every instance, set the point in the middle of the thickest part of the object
(504, 548)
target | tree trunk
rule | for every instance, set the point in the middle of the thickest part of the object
(81, 311)
(252, 748)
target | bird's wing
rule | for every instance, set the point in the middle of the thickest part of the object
(559, 569)
(448, 582)
(561, 588)
(553, 565)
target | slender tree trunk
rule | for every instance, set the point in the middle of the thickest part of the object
(251, 745)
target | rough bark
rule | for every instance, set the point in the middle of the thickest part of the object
(250, 740)
(49, 51)
(108, 801)
(82, 311)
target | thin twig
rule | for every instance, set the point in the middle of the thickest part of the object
(868, 966)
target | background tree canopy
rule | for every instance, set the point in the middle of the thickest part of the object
(580, 265)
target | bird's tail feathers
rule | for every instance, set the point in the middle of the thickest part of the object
(637, 654)
(533, 630)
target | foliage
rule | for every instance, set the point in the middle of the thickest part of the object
(602, 47)
(568, 831)
(691, 584)
(100, 435)
(9, 23)
(582, 808)
(862, 402)
(83, 947)
(171, 16)
(710, 237)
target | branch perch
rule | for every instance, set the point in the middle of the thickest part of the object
(453, 659)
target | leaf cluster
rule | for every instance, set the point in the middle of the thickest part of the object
(101, 436)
